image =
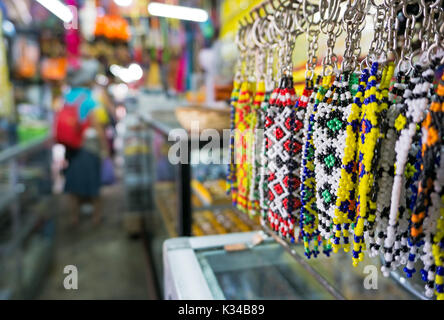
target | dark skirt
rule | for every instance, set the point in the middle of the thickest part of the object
(82, 176)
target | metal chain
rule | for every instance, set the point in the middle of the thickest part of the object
(353, 24)
(312, 31)
(329, 13)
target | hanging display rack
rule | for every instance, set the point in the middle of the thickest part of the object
(355, 162)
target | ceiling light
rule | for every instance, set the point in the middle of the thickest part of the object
(123, 3)
(177, 12)
(58, 9)
(131, 74)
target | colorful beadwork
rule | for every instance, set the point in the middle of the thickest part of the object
(344, 213)
(231, 173)
(242, 146)
(254, 154)
(282, 186)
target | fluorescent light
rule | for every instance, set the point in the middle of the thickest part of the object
(136, 71)
(58, 9)
(177, 12)
(123, 3)
(131, 74)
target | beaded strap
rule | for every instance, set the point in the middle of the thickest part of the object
(386, 113)
(283, 200)
(429, 188)
(325, 158)
(256, 142)
(415, 113)
(438, 238)
(263, 183)
(400, 254)
(242, 146)
(367, 156)
(308, 221)
(345, 201)
(234, 118)
(385, 171)
(269, 124)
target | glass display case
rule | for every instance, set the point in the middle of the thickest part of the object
(26, 218)
(232, 267)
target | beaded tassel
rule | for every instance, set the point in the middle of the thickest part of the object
(324, 158)
(243, 126)
(332, 120)
(420, 100)
(254, 206)
(414, 114)
(437, 197)
(400, 255)
(368, 138)
(281, 165)
(380, 150)
(345, 202)
(231, 175)
(306, 219)
(269, 125)
(263, 183)
(308, 222)
(386, 166)
(430, 184)
(438, 238)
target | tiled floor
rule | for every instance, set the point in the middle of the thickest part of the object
(110, 265)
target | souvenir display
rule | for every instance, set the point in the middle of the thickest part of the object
(355, 162)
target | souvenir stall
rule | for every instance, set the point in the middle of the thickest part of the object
(344, 168)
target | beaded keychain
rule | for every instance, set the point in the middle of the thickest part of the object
(386, 168)
(367, 155)
(308, 223)
(263, 183)
(313, 91)
(243, 109)
(281, 165)
(429, 187)
(325, 158)
(280, 129)
(255, 124)
(416, 107)
(438, 238)
(309, 213)
(345, 202)
(231, 182)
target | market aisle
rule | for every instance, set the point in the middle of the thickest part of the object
(110, 265)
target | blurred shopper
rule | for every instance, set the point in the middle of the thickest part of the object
(105, 113)
(84, 152)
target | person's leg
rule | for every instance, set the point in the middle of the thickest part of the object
(74, 204)
(97, 213)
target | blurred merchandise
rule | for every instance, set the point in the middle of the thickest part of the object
(54, 69)
(203, 118)
(26, 55)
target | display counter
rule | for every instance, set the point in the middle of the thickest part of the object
(231, 267)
